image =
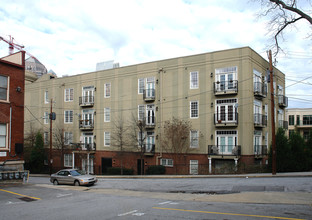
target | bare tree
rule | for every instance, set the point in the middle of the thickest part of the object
(137, 137)
(283, 14)
(61, 143)
(119, 138)
(175, 139)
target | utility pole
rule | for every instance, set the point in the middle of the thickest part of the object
(272, 116)
(50, 153)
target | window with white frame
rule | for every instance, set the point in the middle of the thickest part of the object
(226, 111)
(226, 77)
(69, 95)
(68, 138)
(150, 115)
(107, 90)
(150, 141)
(87, 139)
(87, 118)
(46, 137)
(141, 85)
(194, 80)
(68, 116)
(46, 118)
(166, 162)
(226, 141)
(194, 109)
(3, 135)
(4, 91)
(106, 138)
(68, 160)
(46, 97)
(106, 114)
(149, 87)
(257, 142)
(194, 139)
(258, 112)
(141, 110)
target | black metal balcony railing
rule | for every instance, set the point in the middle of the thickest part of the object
(225, 87)
(260, 150)
(149, 148)
(150, 122)
(283, 124)
(260, 89)
(282, 101)
(149, 94)
(86, 124)
(88, 146)
(86, 100)
(224, 150)
(260, 120)
(226, 119)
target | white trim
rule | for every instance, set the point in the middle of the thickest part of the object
(194, 109)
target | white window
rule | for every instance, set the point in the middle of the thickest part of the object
(226, 111)
(87, 167)
(141, 85)
(194, 109)
(141, 109)
(194, 80)
(68, 160)
(226, 141)
(194, 167)
(4, 91)
(46, 97)
(166, 162)
(258, 112)
(87, 95)
(3, 136)
(107, 90)
(106, 114)
(68, 138)
(106, 138)
(226, 78)
(150, 115)
(194, 135)
(87, 141)
(46, 137)
(150, 87)
(87, 118)
(46, 118)
(150, 142)
(69, 95)
(257, 142)
(69, 115)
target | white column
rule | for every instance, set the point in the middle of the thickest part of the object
(88, 163)
(73, 162)
(210, 166)
(235, 159)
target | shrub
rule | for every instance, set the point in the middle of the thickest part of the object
(156, 170)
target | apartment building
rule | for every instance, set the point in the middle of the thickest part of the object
(300, 119)
(12, 75)
(223, 94)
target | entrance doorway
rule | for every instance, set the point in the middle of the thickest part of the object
(140, 166)
(106, 163)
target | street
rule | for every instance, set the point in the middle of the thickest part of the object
(151, 198)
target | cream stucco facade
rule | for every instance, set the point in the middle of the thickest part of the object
(224, 94)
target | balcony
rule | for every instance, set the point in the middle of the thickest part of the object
(149, 149)
(260, 150)
(225, 87)
(150, 122)
(224, 150)
(86, 101)
(282, 101)
(226, 119)
(149, 95)
(283, 124)
(260, 89)
(88, 146)
(260, 120)
(87, 124)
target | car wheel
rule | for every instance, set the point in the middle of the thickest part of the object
(55, 182)
(76, 183)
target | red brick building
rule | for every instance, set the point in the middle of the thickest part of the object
(12, 85)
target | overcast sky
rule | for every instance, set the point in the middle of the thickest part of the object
(71, 36)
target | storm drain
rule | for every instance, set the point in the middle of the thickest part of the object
(27, 199)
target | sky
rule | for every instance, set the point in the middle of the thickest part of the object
(71, 36)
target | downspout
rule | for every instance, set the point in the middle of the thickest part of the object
(10, 129)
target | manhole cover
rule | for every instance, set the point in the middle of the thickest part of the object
(27, 199)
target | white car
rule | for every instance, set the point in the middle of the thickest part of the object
(72, 176)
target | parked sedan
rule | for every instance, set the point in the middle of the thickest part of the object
(72, 176)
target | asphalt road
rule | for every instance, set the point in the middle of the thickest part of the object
(186, 198)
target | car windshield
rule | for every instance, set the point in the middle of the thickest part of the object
(75, 173)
